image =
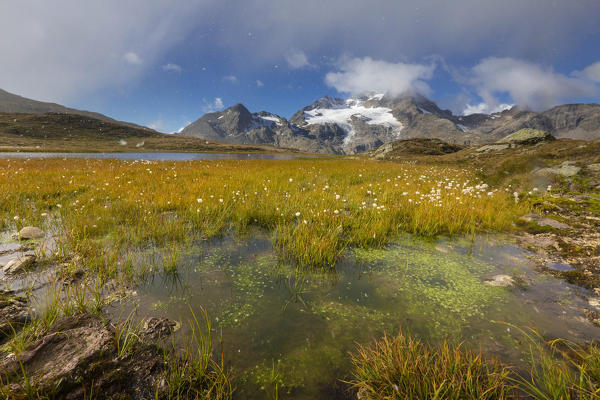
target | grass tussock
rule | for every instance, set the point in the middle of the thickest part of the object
(405, 368)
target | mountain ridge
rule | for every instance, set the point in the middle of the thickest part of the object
(365, 122)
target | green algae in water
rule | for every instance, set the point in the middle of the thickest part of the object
(444, 290)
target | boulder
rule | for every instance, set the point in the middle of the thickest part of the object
(31, 232)
(19, 264)
(527, 136)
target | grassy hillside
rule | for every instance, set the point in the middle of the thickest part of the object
(77, 133)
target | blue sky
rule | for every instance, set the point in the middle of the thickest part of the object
(164, 63)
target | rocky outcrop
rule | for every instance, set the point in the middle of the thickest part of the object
(78, 356)
(419, 146)
(527, 137)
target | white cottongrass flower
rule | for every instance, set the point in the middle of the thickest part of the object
(298, 214)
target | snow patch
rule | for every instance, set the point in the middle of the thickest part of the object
(462, 127)
(341, 116)
(271, 118)
(424, 111)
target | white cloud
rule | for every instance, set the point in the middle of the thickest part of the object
(230, 78)
(132, 58)
(484, 108)
(359, 75)
(215, 105)
(528, 84)
(171, 67)
(259, 83)
(591, 72)
(296, 58)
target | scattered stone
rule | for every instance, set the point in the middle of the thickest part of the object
(566, 169)
(14, 314)
(501, 280)
(556, 266)
(594, 167)
(544, 221)
(527, 137)
(31, 232)
(156, 328)
(19, 264)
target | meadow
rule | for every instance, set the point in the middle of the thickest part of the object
(314, 209)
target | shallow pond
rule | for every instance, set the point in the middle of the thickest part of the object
(300, 325)
(158, 156)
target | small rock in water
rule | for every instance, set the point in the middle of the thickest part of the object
(555, 266)
(31, 232)
(155, 328)
(17, 265)
(501, 280)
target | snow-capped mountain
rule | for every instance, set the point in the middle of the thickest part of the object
(362, 123)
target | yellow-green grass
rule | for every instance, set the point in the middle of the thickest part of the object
(105, 209)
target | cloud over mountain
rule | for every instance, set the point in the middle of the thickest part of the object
(528, 84)
(359, 75)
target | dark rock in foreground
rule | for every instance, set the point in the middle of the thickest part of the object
(78, 356)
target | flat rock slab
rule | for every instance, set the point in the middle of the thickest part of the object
(543, 221)
(556, 266)
(594, 167)
(31, 232)
(493, 147)
(19, 264)
(566, 169)
(70, 345)
(501, 280)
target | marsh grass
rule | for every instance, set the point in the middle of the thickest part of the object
(315, 209)
(195, 374)
(405, 368)
(559, 369)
